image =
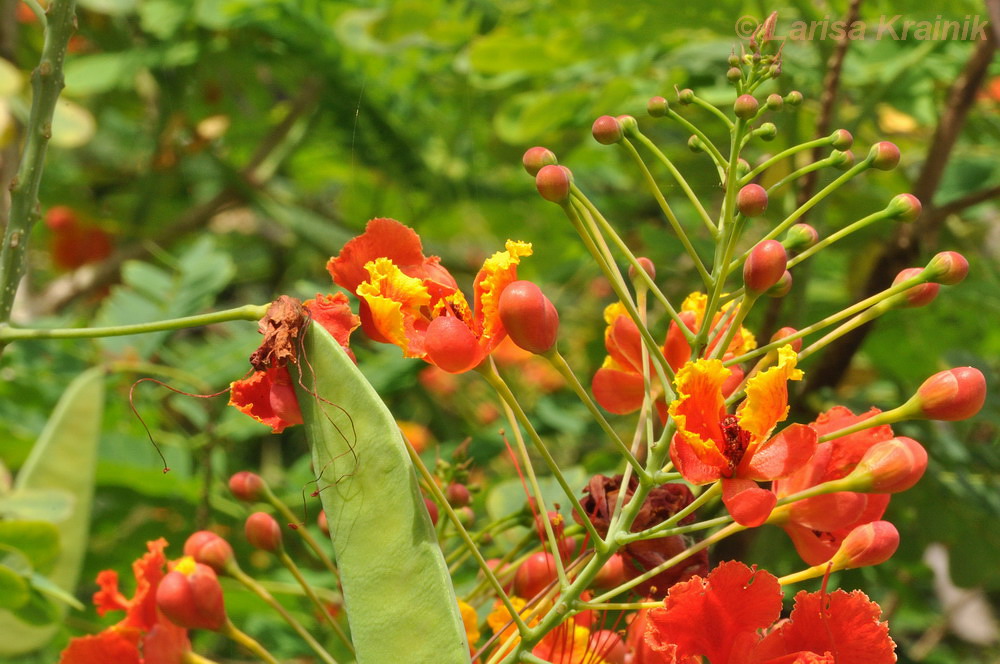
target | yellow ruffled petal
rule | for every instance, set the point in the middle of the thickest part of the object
(499, 270)
(395, 300)
(700, 407)
(767, 397)
(743, 341)
(695, 302)
(471, 622)
(613, 311)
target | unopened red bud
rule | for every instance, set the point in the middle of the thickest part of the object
(955, 394)
(734, 74)
(904, 207)
(647, 267)
(695, 144)
(553, 183)
(841, 140)
(323, 522)
(793, 98)
(248, 487)
(751, 200)
(263, 532)
(884, 156)
(764, 266)
(530, 318)
(536, 158)
(868, 544)
(657, 107)
(628, 124)
(948, 268)
(535, 574)
(767, 131)
(209, 549)
(466, 516)
(458, 495)
(919, 295)
(608, 646)
(607, 130)
(774, 102)
(842, 160)
(611, 574)
(432, 510)
(190, 596)
(451, 345)
(889, 466)
(782, 288)
(745, 106)
(685, 96)
(786, 332)
(800, 237)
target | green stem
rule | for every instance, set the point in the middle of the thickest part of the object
(784, 154)
(46, 84)
(841, 330)
(734, 326)
(286, 513)
(795, 175)
(714, 111)
(713, 151)
(191, 657)
(311, 594)
(843, 232)
(679, 178)
(658, 530)
(246, 312)
(230, 631)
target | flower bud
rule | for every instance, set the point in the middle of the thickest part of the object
(248, 487)
(774, 102)
(800, 237)
(884, 156)
(787, 332)
(451, 345)
(842, 160)
(767, 131)
(841, 140)
(190, 596)
(889, 466)
(948, 268)
(751, 200)
(209, 549)
(868, 544)
(466, 516)
(611, 574)
(628, 124)
(793, 98)
(764, 266)
(745, 106)
(919, 295)
(904, 207)
(530, 318)
(742, 167)
(685, 96)
(647, 267)
(734, 74)
(952, 395)
(458, 495)
(695, 144)
(607, 646)
(553, 183)
(535, 574)
(537, 157)
(323, 523)
(432, 510)
(781, 288)
(263, 532)
(607, 130)
(657, 107)
(733, 60)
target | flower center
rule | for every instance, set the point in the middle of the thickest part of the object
(736, 440)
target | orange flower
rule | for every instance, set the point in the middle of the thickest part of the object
(711, 445)
(144, 635)
(409, 300)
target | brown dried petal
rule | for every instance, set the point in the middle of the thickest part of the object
(280, 326)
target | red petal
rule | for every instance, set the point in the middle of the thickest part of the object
(782, 455)
(690, 465)
(829, 512)
(334, 313)
(166, 644)
(844, 624)
(676, 348)
(716, 617)
(847, 450)
(115, 644)
(618, 392)
(253, 396)
(748, 504)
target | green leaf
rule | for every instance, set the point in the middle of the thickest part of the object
(51, 505)
(38, 541)
(14, 570)
(397, 591)
(63, 459)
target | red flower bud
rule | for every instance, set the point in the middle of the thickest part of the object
(451, 345)
(530, 318)
(746, 106)
(190, 596)
(884, 156)
(607, 646)
(841, 140)
(263, 532)
(607, 130)
(323, 523)
(774, 102)
(764, 266)
(787, 332)
(955, 394)
(209, 549)
(905, 207)
(536, 158)
(751, 200)
(868, 544)
(800, 237)
(919, 295)
(458, 495)
(535, 574)
(657, 107)
(782, 288)
(248, 487)
(553, 183)
(647, 267)
(432, 510)
(611, 574)
(948, 268)
(890, 466)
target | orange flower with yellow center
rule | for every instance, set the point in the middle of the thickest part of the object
(712, 445)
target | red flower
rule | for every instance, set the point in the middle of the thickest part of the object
(409, 300)
(711, 445)
(144, 635)
(722, 616)
(818, 525)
